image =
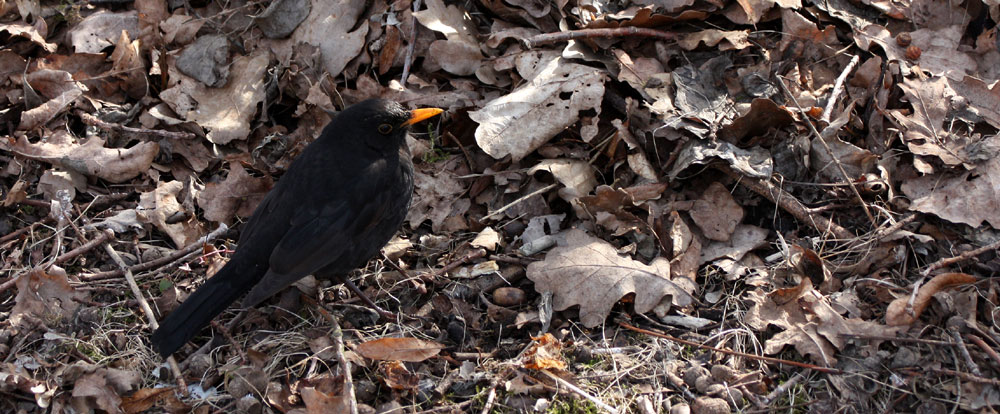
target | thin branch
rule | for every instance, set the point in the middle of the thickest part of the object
(838, 88)
(631, 31)
(144, 305)
(734, 353)
(95, 121)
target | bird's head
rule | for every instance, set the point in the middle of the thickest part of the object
(381, 123)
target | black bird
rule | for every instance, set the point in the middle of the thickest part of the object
(339, 202)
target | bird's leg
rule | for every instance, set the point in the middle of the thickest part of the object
(364, 298)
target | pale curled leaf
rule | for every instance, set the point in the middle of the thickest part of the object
(577, 176)
(225, 112)
(551, 100)
(900, 311)
(588, 272)
(399, 349)
(971, 197)
(89, 158)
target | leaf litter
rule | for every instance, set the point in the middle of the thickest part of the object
(629, 206)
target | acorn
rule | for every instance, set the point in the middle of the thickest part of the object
(904, 39)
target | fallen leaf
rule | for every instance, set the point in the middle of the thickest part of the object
(576, 176)
(30, 33)
(744, 239)
(101, 29)
(225, 112)
(544, 353)
(45, 296)
(551, 99)
(398, 377)
(588, 272)
(970, 197)
(161, 204)
(323, 394)
(90, 158)
(809, 324)
(237, 195)
(716, 213)
(399, 349)
(435, 198)
(900, 311)
(487, 239)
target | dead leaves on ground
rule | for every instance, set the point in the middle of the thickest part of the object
(620, 164)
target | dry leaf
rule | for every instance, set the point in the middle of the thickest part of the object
(551, 100)
(90, 158)
(225, 112)
(459, 53)
(809, 324)
(901, 313)
(47, 297)
(544, 353)
(323, 394)
(971, 197)
(716, 213)
(101, 29)
(398, 377)
(487, 239)
(399, 349)
(161, 205)
(577, 176)
(238, 195)
(436, 197)
(588, 271)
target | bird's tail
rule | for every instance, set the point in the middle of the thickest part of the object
(197, 311)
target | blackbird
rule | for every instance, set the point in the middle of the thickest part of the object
(339, 202)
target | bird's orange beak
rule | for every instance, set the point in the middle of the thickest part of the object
(421, 114)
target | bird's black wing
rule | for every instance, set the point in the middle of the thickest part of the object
(337, 237)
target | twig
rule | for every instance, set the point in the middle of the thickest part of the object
(208, 345)
(547, 38)
(964, 256)
(229, 337)
(345, 366)
(985, 333)
(789, 203)
(898, 339)
(781, 389)
(829, 151)
(103, 237)
(95, 121)
(412, 44)
(489, 400)
(986, 348)
(838, 88)
(600, 404)
(191, 248)
(734, 353)
(17, 233)
(964, 350)
(454, 264)
(145, 309)
(519, 201)
(966, 376)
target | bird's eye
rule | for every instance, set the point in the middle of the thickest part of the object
(384, 129)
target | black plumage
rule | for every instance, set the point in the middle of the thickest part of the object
(339, 202)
